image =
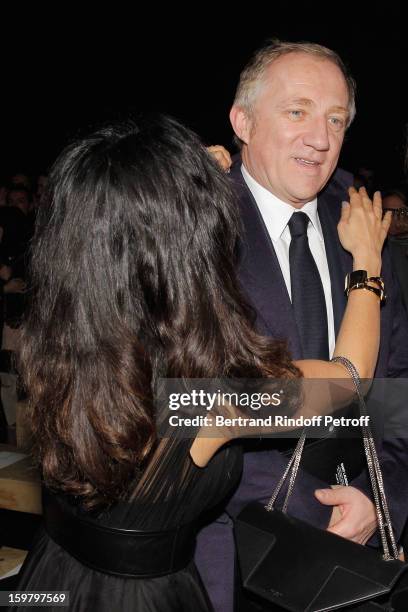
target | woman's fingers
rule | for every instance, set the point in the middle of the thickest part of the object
(366, 200)
(361, 200)
(362, 230)
(377, 205)
(386, 222)
(345, 211)
(221, 155)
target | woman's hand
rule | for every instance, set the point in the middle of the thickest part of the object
(362, 230)
(221, 155)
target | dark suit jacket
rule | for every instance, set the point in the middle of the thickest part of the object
(262, 280)
(399, 255)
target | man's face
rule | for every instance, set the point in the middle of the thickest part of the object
(293, 139)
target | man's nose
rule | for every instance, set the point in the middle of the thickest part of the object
(317, 135)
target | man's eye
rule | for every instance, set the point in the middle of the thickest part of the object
(337, 122)
(296, 114)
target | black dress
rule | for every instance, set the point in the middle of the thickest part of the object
(179, 492)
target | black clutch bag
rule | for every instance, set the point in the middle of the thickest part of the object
(287, 564)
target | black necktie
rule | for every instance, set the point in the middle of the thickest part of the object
(308, 301)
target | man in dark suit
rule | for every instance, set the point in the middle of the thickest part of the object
(293, 105)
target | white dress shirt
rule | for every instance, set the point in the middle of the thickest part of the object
(276, 215)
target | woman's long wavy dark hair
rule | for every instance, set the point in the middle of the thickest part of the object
(133, 277)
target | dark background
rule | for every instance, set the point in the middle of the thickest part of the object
(56, 83)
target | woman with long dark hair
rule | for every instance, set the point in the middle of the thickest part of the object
(133, 279)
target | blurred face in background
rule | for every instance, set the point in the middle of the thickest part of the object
(21, 179)
(399, 224)
(19, 199)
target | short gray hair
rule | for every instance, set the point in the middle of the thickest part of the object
(252, 76)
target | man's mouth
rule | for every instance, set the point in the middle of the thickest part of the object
(307, 162)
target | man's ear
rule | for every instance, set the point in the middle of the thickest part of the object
(241, 124)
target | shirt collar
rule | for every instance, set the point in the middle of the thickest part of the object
(277, 213)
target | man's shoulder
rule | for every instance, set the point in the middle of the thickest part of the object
(235, 170)
(330, 198)
(341, 179)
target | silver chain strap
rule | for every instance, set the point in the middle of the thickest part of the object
(294, 464)
(374, 470)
